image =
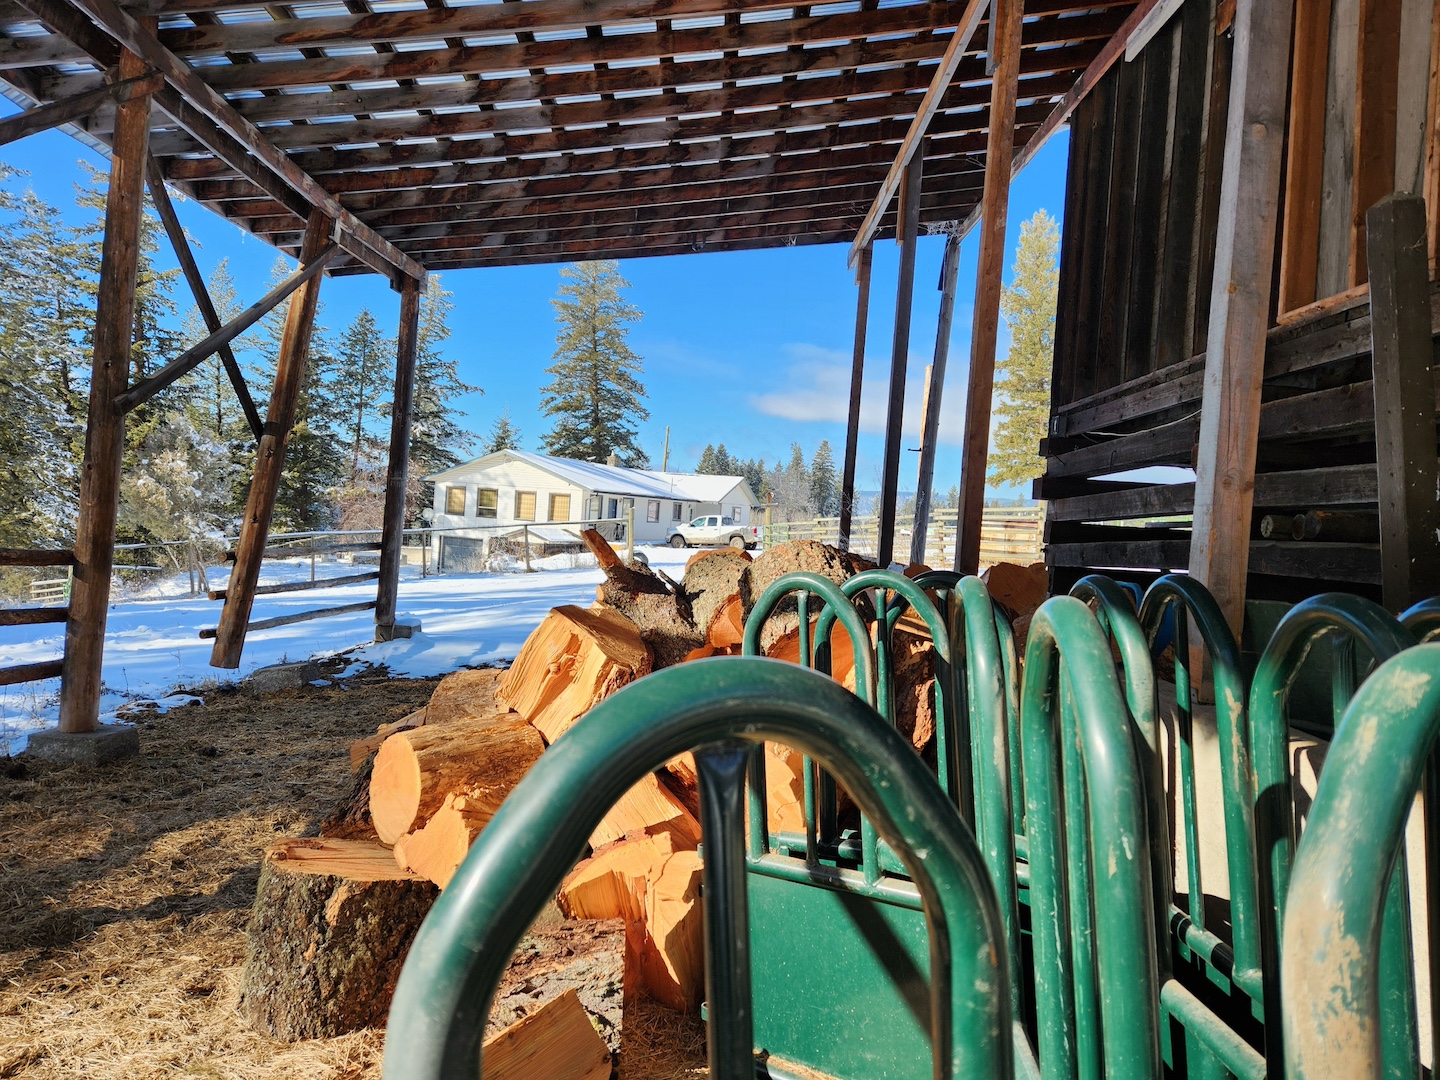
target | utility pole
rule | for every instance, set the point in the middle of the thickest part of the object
(665, 457)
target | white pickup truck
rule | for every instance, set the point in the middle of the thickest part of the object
(713, 531)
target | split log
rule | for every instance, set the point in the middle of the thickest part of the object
(655, 888)
(361, 750)
(574, 659)
(661, 614)
(436, 850)
(774, 563)
(556, 1042)
(784, 788)
(712, 578)
(649, 807)
(1020, 590)
(726, 629)
(586, 956)
(465, 695)
(682, 777)
(332, 923)
(415, 770)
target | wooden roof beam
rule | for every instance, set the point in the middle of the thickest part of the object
(119, 25)
(68, 110)
(929, 106)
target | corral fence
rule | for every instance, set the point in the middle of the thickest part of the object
(1007, 534)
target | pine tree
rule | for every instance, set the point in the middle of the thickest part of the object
(214, 405)
(707, 463)
(595, 395)
(753, 470)
(823, 495)
(437, 441)
(363, 357)
(1023, 391)
(503, 435)
(724, 466)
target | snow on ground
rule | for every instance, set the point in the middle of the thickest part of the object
(153, 647)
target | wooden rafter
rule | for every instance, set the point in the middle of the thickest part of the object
(67, 110)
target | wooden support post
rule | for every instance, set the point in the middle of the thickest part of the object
(398, 475)
(105, 425)
(934, 394)
(1240, 304)
(1376, 99)
(857, 378)
(908, 227)
(1404, 401)
(270, 456)
(165, 209)
(995, 205)
(1305, 165)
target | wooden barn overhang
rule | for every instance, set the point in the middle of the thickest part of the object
(440, 136)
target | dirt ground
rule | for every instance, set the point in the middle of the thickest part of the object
(125, 893)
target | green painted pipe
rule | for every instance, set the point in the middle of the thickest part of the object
(518, 862)
(1331, 978)
(1423, 619)
(1067, 656)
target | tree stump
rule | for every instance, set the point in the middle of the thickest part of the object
(332, 923)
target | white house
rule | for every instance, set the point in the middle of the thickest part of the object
(500, 492)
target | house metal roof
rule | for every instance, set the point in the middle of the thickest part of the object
(609, 479)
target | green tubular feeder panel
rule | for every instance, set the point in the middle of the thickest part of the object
(1091, 976)
(1423, 620)
(1355, 622)
(1333, 981)
(720, 708)
(1238, 961)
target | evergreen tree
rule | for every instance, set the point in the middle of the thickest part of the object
(707, 463)
(503, 435)
(823, 494)
(213, 406)
(753, 470)
(595, 394)
(952, 498)
(1023, 390)
(437, 441)
(724, 465)
(362, 361)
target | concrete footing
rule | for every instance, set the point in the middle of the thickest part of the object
(397, 631)
(267, 680)
(109, 742)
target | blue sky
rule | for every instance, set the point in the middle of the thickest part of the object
(751, 349)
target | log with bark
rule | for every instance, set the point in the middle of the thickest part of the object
(332, 922)
(774, 563)
(660, 612)
(465, 695)
(586, 956)
(350, 818)
(415, 770)
(711, 579)
(555, 1042)
(572, 660)
(654, 887)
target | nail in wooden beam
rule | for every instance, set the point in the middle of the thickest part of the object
(191, 358)
(67, 110)
(166, 210)
(975, 451)
(857, 378)
(1240, 304)
(270, 457)
(909, 227)
(393, 528)
(1403, 354)
(934, 396)
(105, 425)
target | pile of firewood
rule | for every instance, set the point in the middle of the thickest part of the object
(335, 914)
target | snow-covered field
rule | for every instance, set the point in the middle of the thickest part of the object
(153, 649)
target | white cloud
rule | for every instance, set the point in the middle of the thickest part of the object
(816, 388)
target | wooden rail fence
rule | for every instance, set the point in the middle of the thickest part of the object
(1007, 534)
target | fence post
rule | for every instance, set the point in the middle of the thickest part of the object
(629, 533)
(528, 568)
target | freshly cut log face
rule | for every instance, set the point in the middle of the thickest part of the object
(1020, 590)
(712, 578)
(683, 779)
(436, 850)
(332, 922)
(574, 659)
(726, 629)
(655, 888)
(361, 749)
(556, 1042)
(784, 788)
(465, 695)
(650, 807)
(415, 770)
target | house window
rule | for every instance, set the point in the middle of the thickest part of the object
(559, 507)
(524, 506)
(487, 500)
(652, 510)
(593, 512)
(735, 512)
(455, 500)
(612, 508)
(677, 512)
